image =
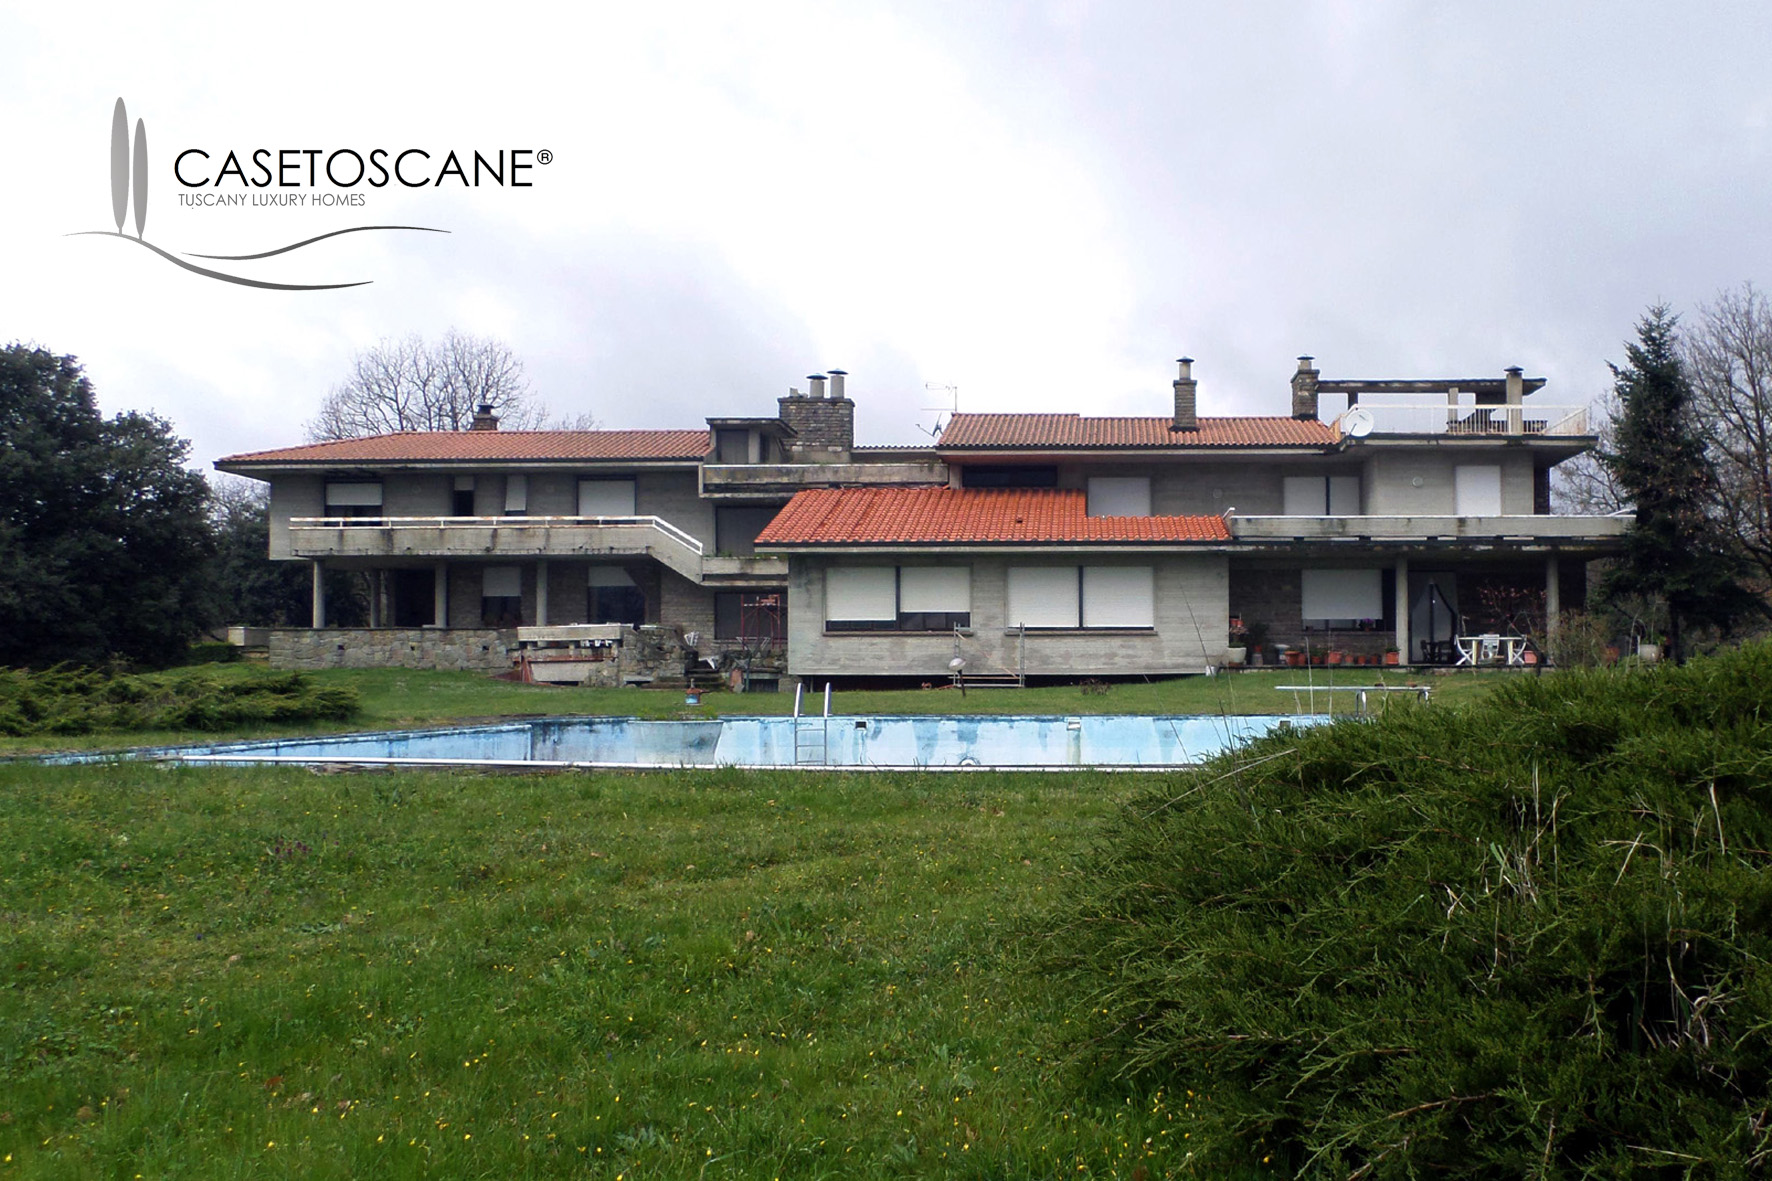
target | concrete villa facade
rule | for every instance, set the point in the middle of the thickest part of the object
(1032, 545)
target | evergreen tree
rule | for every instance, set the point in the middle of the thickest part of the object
(1676, 551)
(104, 542)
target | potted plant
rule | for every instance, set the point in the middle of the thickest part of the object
(1392, 656)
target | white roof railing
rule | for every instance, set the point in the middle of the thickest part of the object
(509, 522)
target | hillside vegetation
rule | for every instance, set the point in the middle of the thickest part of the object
(66, 701)
(1525, 937)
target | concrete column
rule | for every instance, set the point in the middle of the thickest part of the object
(1553, 596)
(375, 605)
(1402, 610)
(319, 593)
(541, 592)
(440, 596)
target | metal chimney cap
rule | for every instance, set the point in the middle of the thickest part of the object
(1184, 360)
(839, 373)
(1513, 369)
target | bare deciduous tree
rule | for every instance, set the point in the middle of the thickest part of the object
(1584, 485)
(1729, 360)
(409, 385)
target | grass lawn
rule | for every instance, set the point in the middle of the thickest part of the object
(394, 698)
(267, 972)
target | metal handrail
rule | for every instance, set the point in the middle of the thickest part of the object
(686, 540)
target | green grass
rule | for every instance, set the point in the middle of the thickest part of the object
(396, 698)
(267, 972)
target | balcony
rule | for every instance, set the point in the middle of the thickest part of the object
(1537, 529)
(1459, 415)
(498, 537)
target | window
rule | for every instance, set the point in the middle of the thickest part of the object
(1342, 598)
(1009, 475)
(1119, 496)
(414, 598)
(1119, 596)
(501, 596)
(516, 495)
(612, 597)
(736, 527)
(1476, 490)
(461, 502)
(1322, 496)
(934, 598)
(753, 618)
(898, 598)
(606, 498)
(353, 499)
(1086, 597)
(861, 598)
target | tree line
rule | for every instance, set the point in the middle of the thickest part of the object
(113, 550)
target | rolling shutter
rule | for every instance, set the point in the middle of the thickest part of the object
(353, 495)
(1305, 496)
(1119, 596)
(1344, 496)
(606, 498)
(1119, 496)
(516, 494)
(1343, 594)
(861, 594)
(1477, 490)
(502, 582)
(1043, 596)
(946, 589)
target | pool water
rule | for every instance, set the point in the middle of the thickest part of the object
(921, 742)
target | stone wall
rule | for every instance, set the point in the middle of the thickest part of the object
(824, 428)
(393, 647)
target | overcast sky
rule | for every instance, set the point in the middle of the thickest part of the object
(1040, 204)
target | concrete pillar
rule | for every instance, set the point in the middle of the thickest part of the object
(1553, 596)
(376, 614)
(541, 592)
(319, 593)
(1402, 610)
(440, 596)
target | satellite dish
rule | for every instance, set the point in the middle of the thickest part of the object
(1357, 423)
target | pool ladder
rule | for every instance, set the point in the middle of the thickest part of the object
(812, 735)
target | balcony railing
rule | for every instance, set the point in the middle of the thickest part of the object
(1438, 416)
(1534, 528)
(687, 540)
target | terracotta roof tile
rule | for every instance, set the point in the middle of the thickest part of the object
(433, 446)
(1074, 430)
(860, 516)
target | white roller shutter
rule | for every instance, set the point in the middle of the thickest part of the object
(855, 594)
(353, 495)
(1477, 490)
(1119, 596)
(934, 588)
(1042, 596)
(606, 498)
(1343, 594)
(502, 582)
(516, 494)
(1344, 496)
(1119, 496)
(1305, 496)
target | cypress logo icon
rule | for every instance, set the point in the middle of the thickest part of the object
(129, 179)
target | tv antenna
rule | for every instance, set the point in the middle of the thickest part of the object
(953, 393)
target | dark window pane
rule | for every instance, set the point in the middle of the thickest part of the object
(1010, 475)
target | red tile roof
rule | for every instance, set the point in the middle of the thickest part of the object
(862, 516)
(435, 446)
(1074, 430)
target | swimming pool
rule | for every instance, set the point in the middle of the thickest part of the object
(893, 743)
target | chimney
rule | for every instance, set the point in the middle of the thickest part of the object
(1186, 400)
(1304, 390)
(1516, 385)
(823, 428)
(484, 418)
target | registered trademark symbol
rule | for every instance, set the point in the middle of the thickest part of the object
(545, 156)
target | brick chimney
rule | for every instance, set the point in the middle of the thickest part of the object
(1304, 390)
(824, 427)
(484, 418)
(1187, 416)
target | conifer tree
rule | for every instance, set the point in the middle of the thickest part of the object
(1676, 551)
